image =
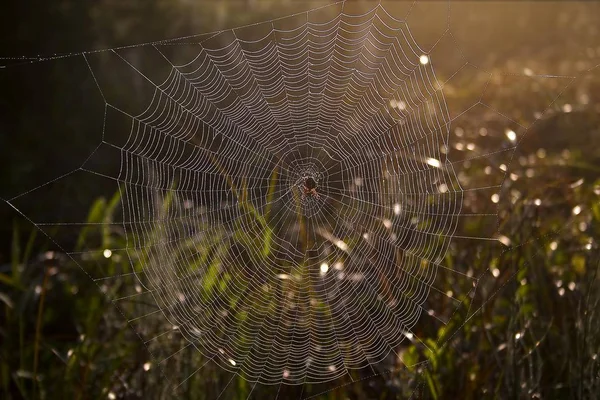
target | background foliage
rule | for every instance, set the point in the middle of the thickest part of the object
(530, 331)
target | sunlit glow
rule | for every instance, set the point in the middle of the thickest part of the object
(283, 276)
(147, 366)
(232, 362)
(387, 223)
(495, 198)
(567, 108)
(397, 209)
(541, 153)
(496, 272)
(576, 210)
(537, 202)
(107, 253)
(424, 59)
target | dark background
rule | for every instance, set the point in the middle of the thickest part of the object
(547, 290)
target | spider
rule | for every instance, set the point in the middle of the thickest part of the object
(310, 188)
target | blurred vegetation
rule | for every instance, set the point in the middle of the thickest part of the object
(532, 330)
(536, 335)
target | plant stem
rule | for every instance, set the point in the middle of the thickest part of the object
(38, 326)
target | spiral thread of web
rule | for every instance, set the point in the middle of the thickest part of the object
(301, 170)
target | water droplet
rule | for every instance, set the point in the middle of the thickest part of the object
(577, 183)
(504, 240)
(324, 268)
(341, 245)
(511, 135)
(433, 162)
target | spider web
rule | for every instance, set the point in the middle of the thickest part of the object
(290, 189)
